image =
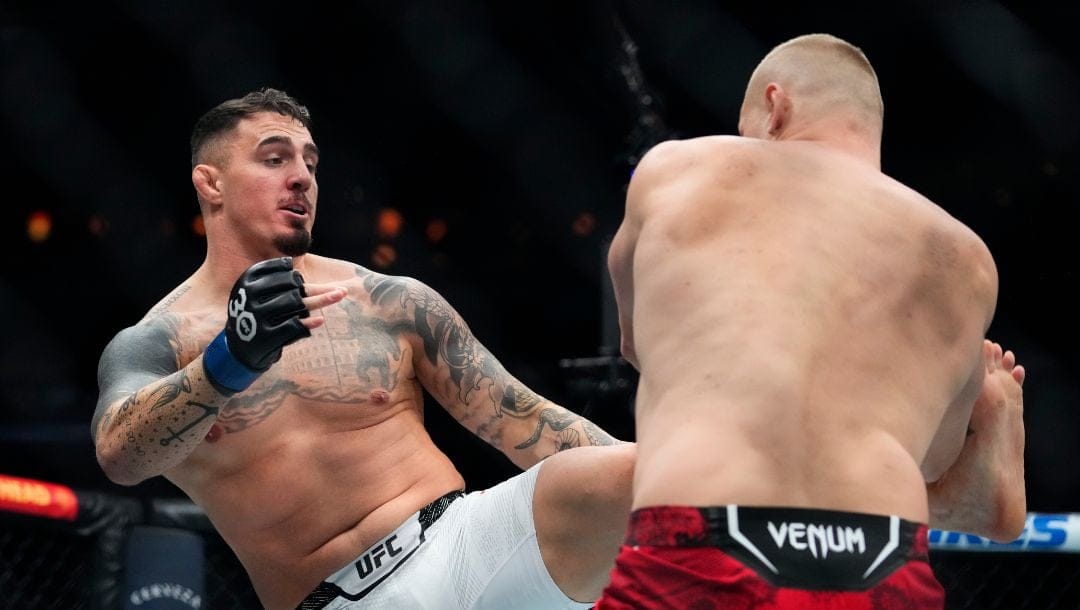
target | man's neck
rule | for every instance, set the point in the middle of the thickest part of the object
(837, 137)
(225, 263)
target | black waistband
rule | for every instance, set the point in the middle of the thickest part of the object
(431, 513)
(327, 592)
(790, 547)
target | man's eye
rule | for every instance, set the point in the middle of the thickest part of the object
(311, 167)
(274, 161)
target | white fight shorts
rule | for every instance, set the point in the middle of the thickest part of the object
(471, 552)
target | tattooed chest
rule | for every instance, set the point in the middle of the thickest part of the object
(347, 358)
(351, 359)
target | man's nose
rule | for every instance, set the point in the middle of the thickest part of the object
(302, 179)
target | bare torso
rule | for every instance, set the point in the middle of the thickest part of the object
(325, 453)
(806, 327)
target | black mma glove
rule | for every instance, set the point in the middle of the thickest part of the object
(265, 307)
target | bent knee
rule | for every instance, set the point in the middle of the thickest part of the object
(617, 473)
(591, 482)
(580, 508)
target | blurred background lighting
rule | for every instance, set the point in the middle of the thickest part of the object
(436, 230)
(39, 226)
(97, 225)
(584, 224)
(388, 225)
(383, 256)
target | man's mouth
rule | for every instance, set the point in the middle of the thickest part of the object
(300, 209)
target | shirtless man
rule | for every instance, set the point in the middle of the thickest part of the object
(810, 337)
(316, 468)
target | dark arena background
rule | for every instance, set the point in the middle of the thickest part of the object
(484, 148)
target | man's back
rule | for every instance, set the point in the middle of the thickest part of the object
(810, 337)
(803, 324)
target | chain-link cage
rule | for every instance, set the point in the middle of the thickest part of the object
(43, 567)
(48, 564)
(1008, 581)
(227, 584)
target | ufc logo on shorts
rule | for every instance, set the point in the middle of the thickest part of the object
(373, 559)
(245, 320)
(377, 563)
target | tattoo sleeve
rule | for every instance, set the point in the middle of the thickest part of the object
(467, 379)
(150, 415)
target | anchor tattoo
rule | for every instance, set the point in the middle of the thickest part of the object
(207, 412)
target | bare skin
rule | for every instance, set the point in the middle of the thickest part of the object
(980, 486)
(810, 333)
(326, 452)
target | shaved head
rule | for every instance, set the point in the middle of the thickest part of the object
(824, 77)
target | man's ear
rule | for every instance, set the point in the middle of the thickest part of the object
(778, 105)
(206, 179)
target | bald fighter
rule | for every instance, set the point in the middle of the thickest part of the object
(815, 383)
(282, 391)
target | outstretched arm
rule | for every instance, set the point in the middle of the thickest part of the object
(472, 385)
(983, 492)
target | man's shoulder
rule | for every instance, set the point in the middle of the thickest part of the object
(713, 156)
(186, 315)
(392, 292)
(937, 218)
(373, 279)
(677, 151)
(171, 325)
(151, 339)
(173, 302)
(333, 270)
(150, 328)
(689, 164)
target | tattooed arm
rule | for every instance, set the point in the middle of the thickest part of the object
(150, 414)
(471, 384)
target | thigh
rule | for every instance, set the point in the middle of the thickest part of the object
(500, 565)
(581, 508)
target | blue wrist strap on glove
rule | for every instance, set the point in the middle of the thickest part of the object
(224, 371)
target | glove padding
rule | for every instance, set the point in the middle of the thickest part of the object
(265, 308)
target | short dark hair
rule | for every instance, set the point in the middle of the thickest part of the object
(225, 116)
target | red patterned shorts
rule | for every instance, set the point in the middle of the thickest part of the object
(749, 558)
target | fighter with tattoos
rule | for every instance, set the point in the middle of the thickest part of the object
(282, 391)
